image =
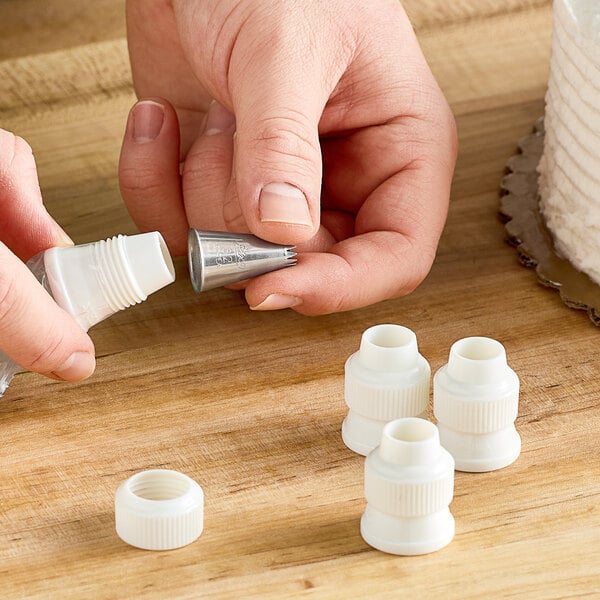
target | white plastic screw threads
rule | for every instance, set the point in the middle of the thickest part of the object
(385, 380)
(409, 484)
(94, 281)
(475, 400)
(159, 509)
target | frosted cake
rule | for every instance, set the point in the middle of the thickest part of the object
(569, 170)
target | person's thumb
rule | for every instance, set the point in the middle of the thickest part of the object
(277, 162)
(34, 331)
(278, 91)
(274, 65)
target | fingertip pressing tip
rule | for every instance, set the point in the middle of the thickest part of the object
(277, 302)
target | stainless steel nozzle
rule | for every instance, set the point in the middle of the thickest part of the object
(218, 258)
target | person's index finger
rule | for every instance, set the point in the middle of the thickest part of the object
(149, 172)
(356, 272)
(397, 230)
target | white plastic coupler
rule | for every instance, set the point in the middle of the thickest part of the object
(386, 379)
(476, 401)
(159, 509)
(409, 484)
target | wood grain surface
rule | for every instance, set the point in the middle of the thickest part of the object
(250, 404)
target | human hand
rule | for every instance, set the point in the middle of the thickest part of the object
(34, 331)
(342, 143)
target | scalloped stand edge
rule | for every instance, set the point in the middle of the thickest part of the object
(527, 231)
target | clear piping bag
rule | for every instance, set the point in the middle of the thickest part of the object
(94, 281)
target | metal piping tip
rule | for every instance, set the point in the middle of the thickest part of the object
(218, 258)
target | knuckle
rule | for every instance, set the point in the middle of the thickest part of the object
(424, 255)
(288, 138)
(443, 128)
(412, 282)
(15, 149)
(439, 123)
(46, 347)
(206, 163)
(452, 129)
(48, 352)
(21, 146)
(136, 180)
(430, 138)
(341, 296)
(338, 303)
(233, 216)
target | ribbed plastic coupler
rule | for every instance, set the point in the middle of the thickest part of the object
(385, 380)
(159, 509)
(94, 281)
(476, 402)
(409, 485)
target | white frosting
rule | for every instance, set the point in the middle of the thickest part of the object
(583, 19)
(569, 170)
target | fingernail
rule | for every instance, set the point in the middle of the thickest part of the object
(62, 239)
(218, 119)
(148, 117)
(277, 302)
(78, 366)
(283, 203)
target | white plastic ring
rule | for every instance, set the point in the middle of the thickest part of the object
(159, 509)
